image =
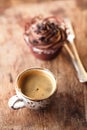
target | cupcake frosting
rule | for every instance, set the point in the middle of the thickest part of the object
(45, 33)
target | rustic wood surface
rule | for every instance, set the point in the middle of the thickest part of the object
(69, 108)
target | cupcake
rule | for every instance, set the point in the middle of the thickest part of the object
(45, 36)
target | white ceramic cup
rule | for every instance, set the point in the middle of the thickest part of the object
(20, 100)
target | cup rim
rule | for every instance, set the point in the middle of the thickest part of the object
(39, 69)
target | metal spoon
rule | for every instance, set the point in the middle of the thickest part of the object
(82, 74)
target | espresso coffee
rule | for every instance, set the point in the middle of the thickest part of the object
(36, 85)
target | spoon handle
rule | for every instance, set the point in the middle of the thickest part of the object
(80, 68)
(82, 74)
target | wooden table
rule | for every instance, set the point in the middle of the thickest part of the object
(69, 108)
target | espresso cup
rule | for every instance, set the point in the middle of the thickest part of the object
(35, 89)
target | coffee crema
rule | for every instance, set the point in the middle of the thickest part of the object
(36, 85)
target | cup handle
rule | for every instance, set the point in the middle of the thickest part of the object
(16, 103)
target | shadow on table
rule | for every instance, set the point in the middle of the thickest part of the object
(64, 109)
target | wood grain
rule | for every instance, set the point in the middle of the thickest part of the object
(68, 110)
